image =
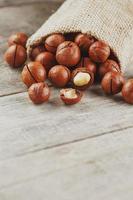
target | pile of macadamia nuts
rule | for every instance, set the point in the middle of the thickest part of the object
(72, 62)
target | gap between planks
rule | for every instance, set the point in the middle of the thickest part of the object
(75, 169)
(73, 141)
(53, 128)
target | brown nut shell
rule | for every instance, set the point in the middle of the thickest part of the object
(36, 51)
(84, 42)
(109, 65)
(39, 93)
(68, 54)
(53, 41)
(99, 51)
(15, 56)
(127, 91)
(18, 38)
(68, 100)
(112, 83)
(47, 59)
(59, 75)
(83, 85)
(33, 72)
(88, 64)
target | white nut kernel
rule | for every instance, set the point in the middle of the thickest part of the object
(69, 93)
(82, 79)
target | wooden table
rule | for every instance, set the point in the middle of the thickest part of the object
(52, 151)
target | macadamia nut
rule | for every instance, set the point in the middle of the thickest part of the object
(81, 79)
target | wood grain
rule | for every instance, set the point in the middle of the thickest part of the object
(54, 151)
(25, 127)
(26, 19)
(97, 169)
(7, 3)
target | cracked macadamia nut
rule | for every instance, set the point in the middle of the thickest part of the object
(15, 56)
(36, 51)
(33, 72)
(99, 51)
(70, 96)
(82, 78)
(109, 65)
(47, 59)
(88, 64)
(112, 83)
(53, 41)
(39, 93)
(18, 38)
(59, 75)
(127, 91)
(84, 42)
(68, 54)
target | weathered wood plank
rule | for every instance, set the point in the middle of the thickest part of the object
(7, 3)
(25, 18)
(62, 127)
(96, 169)
(25, 127)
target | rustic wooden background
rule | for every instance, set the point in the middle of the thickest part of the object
(54, 151)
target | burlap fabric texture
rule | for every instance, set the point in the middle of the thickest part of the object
(109, 20)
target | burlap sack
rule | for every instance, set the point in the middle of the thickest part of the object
(109, 20)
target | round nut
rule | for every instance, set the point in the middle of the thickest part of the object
(84, 42)
(39, 93)
(53, 41)
(70, 96)
(36, 51)
(15, 56)
(68, 54)
(127, 91)
(18, 38)
(82, 78)
(112, 83)
(99, 51)
(33, 72)
(47, 59)
(88, 64)
(59, 75)
(109, 65)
